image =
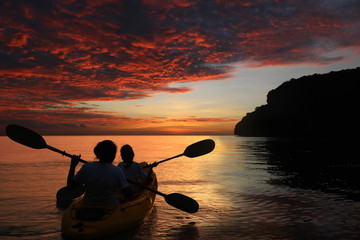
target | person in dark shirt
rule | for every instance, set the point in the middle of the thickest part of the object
(101, 178)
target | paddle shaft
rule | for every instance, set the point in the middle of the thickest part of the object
(147, 188)
(194, 150)
(165, 160)
(170, 158)
(63, 153)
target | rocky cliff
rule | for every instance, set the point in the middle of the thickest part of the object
(311, 106)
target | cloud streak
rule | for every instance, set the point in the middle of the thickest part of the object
(56, 54)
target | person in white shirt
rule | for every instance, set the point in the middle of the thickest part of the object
(132, 170)
(101, 179)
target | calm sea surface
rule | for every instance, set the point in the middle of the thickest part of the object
(247, 188)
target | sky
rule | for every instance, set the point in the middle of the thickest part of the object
(160, 66)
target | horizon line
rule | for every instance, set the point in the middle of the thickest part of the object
(162, 134)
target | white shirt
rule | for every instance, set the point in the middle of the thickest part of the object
(133, 172)
(101, 182)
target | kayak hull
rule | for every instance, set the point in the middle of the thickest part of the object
(82, 221)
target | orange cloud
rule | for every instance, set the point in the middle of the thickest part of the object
(202, 120)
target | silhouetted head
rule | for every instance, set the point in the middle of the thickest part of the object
(127, 154)
(105, 151)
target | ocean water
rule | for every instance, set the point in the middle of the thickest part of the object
(247, 188)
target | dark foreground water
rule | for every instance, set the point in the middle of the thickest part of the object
(248, 188)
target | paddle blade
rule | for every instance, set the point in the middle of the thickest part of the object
(65, 196)
(199, 148)
(25, 136)
(182, 202)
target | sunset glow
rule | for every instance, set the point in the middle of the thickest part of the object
(161, 67)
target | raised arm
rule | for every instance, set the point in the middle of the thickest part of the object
(71, 183)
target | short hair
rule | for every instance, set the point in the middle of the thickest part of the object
(127, 153)
(105, 151)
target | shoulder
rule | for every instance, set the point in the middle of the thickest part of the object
(116, 169)
(137, 165)
(139, 168)
(91, 164)
(112, 166)
(86, 166)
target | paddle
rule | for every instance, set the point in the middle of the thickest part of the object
(32, 139)
(176, 200)
(194, 150)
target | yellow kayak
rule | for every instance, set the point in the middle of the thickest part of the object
(82, 221)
